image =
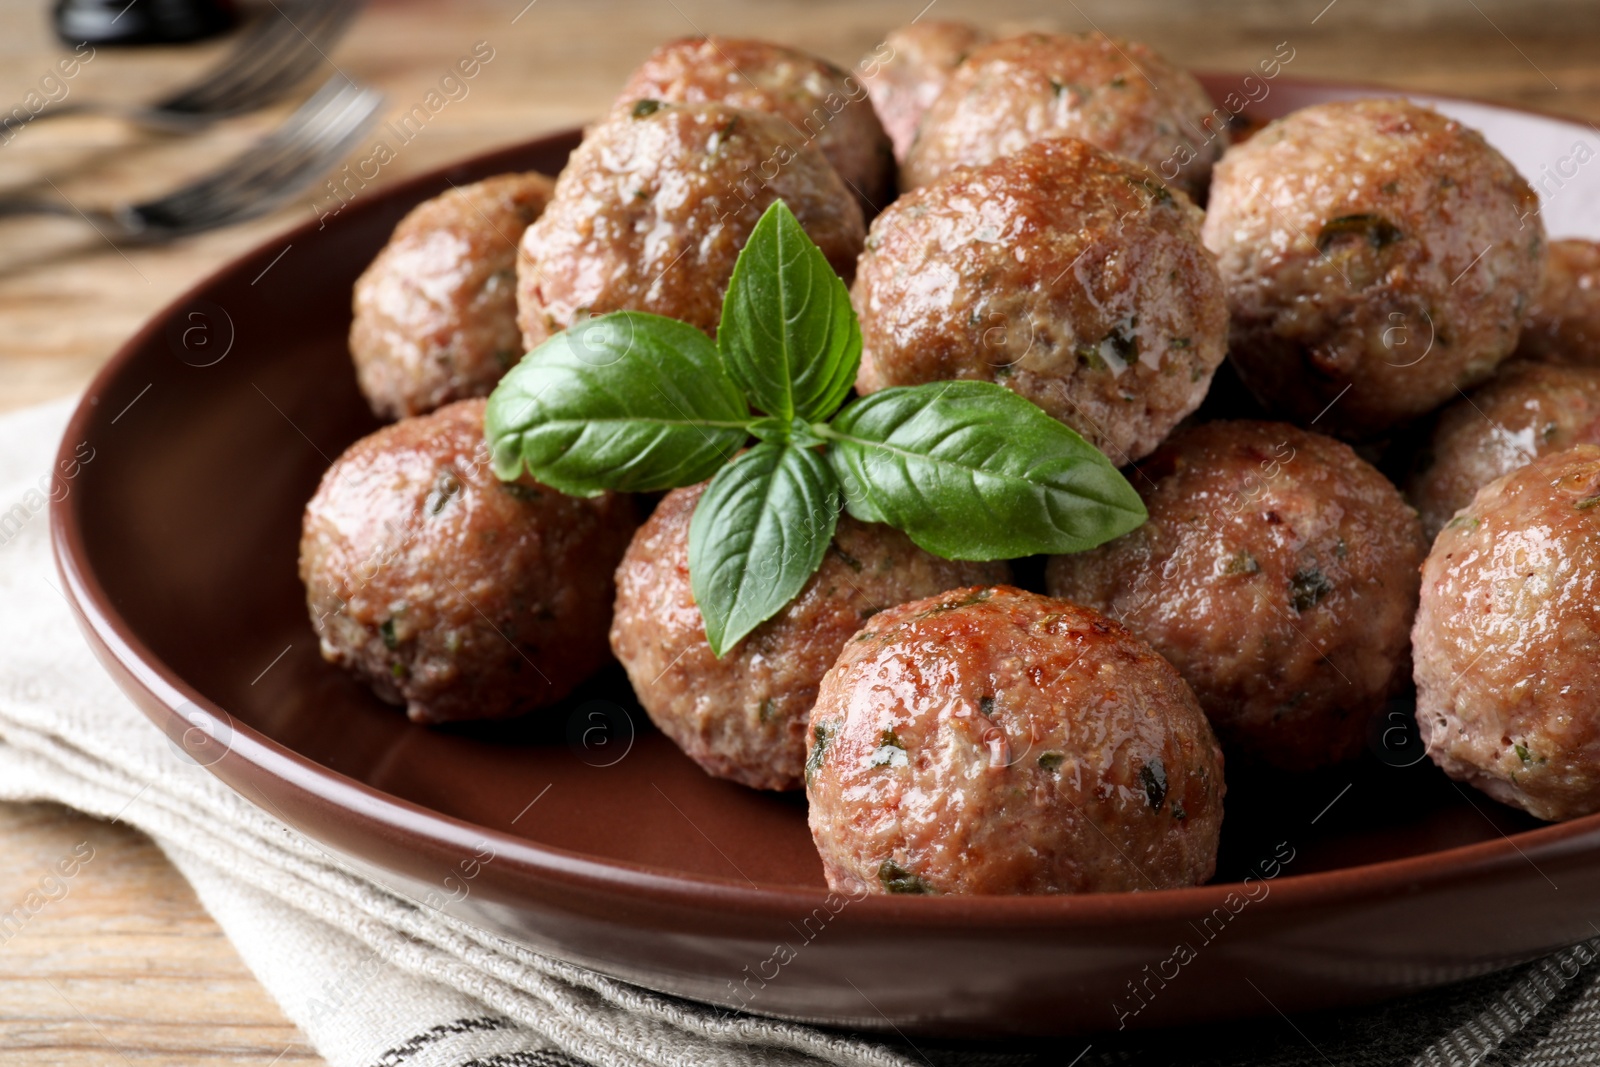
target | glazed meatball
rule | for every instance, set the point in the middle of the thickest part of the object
(654, 206)
(992, 741)
(1507, 637)
(1526, 411)
(1277, 573)
(436, 312)
(1073, 278)
(744, 716)
(908, 70)
(1116, 94)
(818, 103)
(1378, 257)
(448, 591)
(1563, 323)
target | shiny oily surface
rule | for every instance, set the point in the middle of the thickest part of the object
(744, 716)
(1071, 277)
(989, 740)
(1278, 573)
(1507, 635)
(1375, 252)
(612, 849)
(1525, 411)
(656, 204)
(1118, 95)
(436, 312)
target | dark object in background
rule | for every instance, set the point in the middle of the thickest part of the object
(112, 22)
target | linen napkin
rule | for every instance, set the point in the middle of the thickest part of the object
(374, 979)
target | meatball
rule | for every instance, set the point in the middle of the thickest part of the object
(818, 103)
(1116, 94)
(448, 591)
(1507, 636)
(1378, 257)
(1277, 573)
(1527, 410)
(909, 69)
(1073, 278)
(436, 312)
(654, 206)
(744, 716)
(1563, 323)
(992, 741)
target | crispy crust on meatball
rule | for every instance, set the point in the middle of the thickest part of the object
(1073, 278)
(1508, 634)
(1525, 411)
(992, 741)
(654, 206)
(744, 716)
(818, 103)
(436, 312)
(1277, 573)
(906, 72)
(1377, 254)
(1119, 95)
(448, 591)
(1563, 323)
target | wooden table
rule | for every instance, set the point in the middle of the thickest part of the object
(128, 968)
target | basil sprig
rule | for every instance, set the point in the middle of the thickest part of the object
(637, 402)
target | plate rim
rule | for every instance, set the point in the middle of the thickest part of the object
(252, 756)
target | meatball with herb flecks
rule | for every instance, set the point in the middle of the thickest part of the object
(654, 206)
(744, 716)
(1525, 411)
(1071, 277)
(1277, 573)
(992, 741)
(1563, 323)
(449, 591)
(1119, 95)
(1378, 257)
(905, 73)
(818, 103)
(436, 312)
(1507, 638)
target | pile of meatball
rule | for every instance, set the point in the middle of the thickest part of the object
(1024, 211)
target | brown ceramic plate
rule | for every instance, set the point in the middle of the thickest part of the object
(586, 835)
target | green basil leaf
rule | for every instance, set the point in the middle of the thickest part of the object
(758, 533)
(788, 334)
(626, 401)
(970, 470)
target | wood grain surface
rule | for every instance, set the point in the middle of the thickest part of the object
(126, 968)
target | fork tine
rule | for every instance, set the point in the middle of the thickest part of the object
(273, 56)
(297, 131)
(306, 51)
(319, 134)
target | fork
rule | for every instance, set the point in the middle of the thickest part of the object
(320, 133)
(277, 52)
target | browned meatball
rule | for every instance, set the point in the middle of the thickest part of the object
(1073, 278)
(448, 591)
(1116, 94)
(1277, 573)
(992, 741)
(436, 312)
(654, 206)
(1563, 323)
(908, 69)
(1525, 411)
(819, 104)
(1378, 257)
(744, 716)
(1508, 635)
